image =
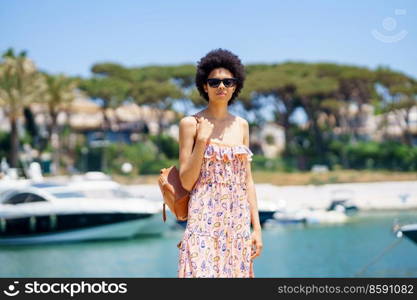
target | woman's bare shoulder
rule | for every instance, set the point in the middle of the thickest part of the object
(188, 121)
(242, 122)
(188, 128)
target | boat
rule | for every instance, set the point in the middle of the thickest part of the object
(338, 211)
(342, 200)
(319, 216)
(100, 187)
(309, 216)
(408, 230)
(266, 209)
(50, 212)
(287, 217)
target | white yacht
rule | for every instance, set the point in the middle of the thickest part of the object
(48, 212)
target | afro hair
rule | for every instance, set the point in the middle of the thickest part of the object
(219, 58)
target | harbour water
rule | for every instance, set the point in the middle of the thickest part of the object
(289, 251)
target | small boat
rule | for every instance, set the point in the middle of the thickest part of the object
(318, 216)
(342, 200)
(288, 217)
(309, 216)
(266, 209)
(48, 212)
(409, 231)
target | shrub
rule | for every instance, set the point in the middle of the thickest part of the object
(154, 166)
(137, 154)
(167, 145)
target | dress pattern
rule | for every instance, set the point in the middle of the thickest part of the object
(217, 238)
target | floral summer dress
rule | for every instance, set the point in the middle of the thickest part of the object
(217, 238)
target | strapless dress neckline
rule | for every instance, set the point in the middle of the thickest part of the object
(220, 143)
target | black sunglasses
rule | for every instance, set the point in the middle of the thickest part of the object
(227, 82)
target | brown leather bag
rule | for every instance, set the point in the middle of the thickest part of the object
(173, 193)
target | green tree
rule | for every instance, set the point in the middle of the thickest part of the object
(159, 95)
(279, 83)
(20, 85)
(356, 86)
(401, 98)
(59, 94)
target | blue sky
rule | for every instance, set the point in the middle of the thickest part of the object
(69, 36)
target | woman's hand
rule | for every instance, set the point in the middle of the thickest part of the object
(256, 244)
(204, 129)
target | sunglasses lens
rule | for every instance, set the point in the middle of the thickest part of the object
(229, 82)
(213, 82)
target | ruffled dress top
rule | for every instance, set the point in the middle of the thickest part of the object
(217, 239)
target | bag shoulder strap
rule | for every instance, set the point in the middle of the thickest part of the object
(196, 118)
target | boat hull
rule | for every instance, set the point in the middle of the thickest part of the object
(119, 230)
(410, 231)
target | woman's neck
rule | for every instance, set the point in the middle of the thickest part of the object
(217, 112)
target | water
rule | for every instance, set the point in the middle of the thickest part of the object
(290, 251)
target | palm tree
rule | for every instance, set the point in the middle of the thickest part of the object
(59, 93)
(20, 84)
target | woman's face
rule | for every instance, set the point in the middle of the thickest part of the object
(220, 93)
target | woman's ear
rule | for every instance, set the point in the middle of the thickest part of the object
(205, 88)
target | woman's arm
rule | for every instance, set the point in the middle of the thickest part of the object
(256, 225)
(190, 159)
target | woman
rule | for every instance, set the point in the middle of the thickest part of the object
(215, 166)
